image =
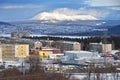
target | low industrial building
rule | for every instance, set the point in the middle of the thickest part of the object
(78, 57)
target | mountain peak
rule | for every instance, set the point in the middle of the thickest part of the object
(58, 17)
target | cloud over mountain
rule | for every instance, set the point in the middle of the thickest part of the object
(63, 14)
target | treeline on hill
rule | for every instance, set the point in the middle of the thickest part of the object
(114, 40)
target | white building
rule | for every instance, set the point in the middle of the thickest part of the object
(77, 56)
(37, 44)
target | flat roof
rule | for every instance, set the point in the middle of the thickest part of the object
(49, 48)
(78, 52)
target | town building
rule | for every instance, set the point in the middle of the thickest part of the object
(46, 51)
(54, 50)
(106, 48)
(47, 43)
(78, 57)
(21, 50)
(100, 47)
(12, 52)
(20, 34)
(0, 53)
(37, 44)
(7, 52)
(67, 45)
(63, 45)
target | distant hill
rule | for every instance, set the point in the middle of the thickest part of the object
(112, 31)
(115, 30)
(65, 28)
(4, 23)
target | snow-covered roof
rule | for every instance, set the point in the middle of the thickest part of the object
(114, 51)
(86, 52)
(70, 42)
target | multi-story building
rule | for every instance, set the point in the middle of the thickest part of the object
(106, 48)
(0, 53)
(20, 34)
(10, 52)
(63, 45)
(47, 43)
(102, 48)
(21, 50)
(37, 44)
(67, 45)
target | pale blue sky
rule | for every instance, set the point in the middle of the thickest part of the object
(17, 10)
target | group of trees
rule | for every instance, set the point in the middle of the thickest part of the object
(35, 73)
(114, 40)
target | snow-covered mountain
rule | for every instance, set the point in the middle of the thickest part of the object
(64, 14)
(57, 17)
(74, 28)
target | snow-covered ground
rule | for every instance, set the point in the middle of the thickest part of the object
(95, 76)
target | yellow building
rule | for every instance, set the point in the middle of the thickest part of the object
(11, 52)
(0, 53)
(21, 50)
(44, 54)
(7, 52)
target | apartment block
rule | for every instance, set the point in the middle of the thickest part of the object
(0, 53)
(11, 52)
(20, 34)
(21, 50)
(7, 52)
(102, 48)
(67, 45)
(37, 44)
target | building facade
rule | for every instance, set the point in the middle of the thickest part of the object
(100, 47)
(8, 52)
(78, 57)
(21, 50)
(0, 53)
(37, 44)
(20, 34)
(67, 45)
(11, 52)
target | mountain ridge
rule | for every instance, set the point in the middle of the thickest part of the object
(70, 28)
